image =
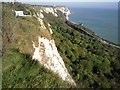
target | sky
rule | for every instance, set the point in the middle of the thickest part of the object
(79, 4)
(62, 0)
(74, 3)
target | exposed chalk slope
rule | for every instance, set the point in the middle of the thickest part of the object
(46, 53)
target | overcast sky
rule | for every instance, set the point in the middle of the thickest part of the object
(63, 0)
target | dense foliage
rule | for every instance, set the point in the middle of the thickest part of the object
(89, 61)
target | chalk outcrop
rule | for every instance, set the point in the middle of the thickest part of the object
(46, 53)
(51, 32)
(54, 10)
(64, 10)
(50, 10)
(40, 18)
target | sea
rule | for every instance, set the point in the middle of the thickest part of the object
(102, 21)
(99, 17)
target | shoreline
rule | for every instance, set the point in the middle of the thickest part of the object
(104, 41)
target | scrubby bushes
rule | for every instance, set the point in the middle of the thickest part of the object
(90, 61)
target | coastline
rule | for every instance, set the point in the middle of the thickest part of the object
(103, 22)
(104, 41)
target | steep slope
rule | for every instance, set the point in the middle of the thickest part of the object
(89, 60)
(45, 51)
(19, 36)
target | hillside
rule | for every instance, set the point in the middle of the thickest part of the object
(45, 50)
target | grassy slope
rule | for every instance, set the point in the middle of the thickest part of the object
(20, 30)
(19, 71)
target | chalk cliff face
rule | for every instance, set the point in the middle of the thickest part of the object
(64, 10)
(54, 10)
(46, 53)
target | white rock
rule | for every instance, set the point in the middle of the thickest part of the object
(51, 32)
(64, 10)
(49, 25)
(49, 10)
(40, 18)
(46, 53)
(54, 10)
(40, 15)
(41, 23)
(41, 10)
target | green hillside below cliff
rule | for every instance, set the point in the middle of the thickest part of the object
(90, 62)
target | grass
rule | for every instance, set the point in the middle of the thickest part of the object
(20, 71)
(19, 32)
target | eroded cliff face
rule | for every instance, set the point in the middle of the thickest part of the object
(47, 54)
(54, 10)
(64, 10)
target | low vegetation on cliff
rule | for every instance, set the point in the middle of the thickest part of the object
(90, 62)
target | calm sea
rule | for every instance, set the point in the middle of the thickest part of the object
(104, 22)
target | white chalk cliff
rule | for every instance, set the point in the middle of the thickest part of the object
(53, 10)
(50, 10)
(64, 10)
(51, 32)
(40, 18)
(46, 53)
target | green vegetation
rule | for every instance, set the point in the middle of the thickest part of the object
(90, 62)
(21, 72)
(19, 32)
